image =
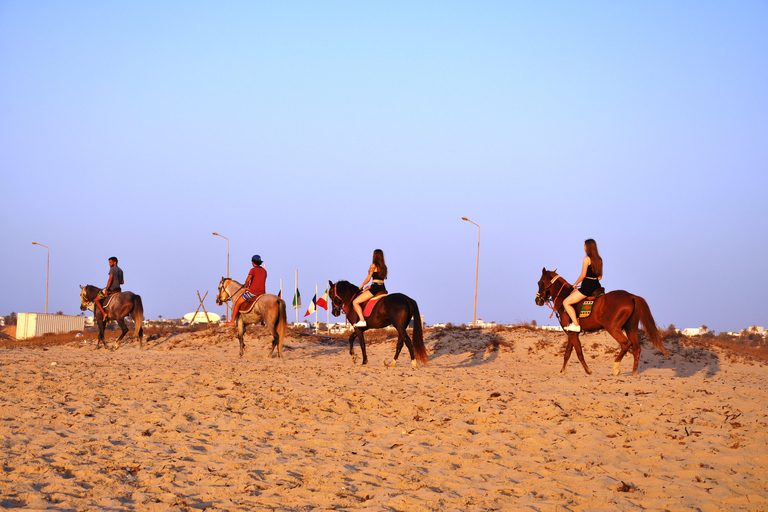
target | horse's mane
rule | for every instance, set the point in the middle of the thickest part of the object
(347, 284)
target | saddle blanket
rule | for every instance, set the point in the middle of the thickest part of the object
(371, 303)
(586, 307)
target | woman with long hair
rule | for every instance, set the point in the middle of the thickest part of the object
(377, 273)
(591, 273)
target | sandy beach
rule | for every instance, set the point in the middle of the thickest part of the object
(489, 424)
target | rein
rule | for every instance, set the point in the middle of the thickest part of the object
(550, 303)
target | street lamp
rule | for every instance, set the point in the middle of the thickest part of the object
(477, 269)
(47, 274)
(226, 316)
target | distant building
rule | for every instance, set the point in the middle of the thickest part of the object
(695, 331)
(485, 325)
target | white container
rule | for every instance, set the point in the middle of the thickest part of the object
(29, 325)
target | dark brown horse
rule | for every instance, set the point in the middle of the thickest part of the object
(395, 309)
(118, 306)
(618, 312)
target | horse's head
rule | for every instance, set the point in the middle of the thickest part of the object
(545, 283)
(223, 295)
(85, 302)
(336, 302)
(341, 293)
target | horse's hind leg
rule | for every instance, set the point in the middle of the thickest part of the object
(632, 335)
(619, 336)
(123, 329)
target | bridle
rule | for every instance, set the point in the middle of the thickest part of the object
(335, 296)
(223, 289)
(552, 296)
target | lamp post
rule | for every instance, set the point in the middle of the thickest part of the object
(226, 315)
(47, 273)
(477, 268)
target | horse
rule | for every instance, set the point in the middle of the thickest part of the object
(118, 306)
(395, 309)
(618, 312)
(267, 308)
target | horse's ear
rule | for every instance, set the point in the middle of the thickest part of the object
(81, 287)
(330, 283)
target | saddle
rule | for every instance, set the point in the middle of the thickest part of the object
(370, 303)
(105, 303)
(249, 304)
(586, 304)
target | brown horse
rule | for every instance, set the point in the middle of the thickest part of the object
(118, 306)
(395, 309)
(618, 312)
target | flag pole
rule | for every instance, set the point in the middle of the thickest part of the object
(315, 306)
(328, 315)
(296, 296)
(281, 288)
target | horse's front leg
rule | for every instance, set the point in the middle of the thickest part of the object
(573, 339)
(240, 326)
(352, 345)
(362, 345)
(568, 350)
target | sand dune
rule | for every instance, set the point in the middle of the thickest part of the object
(489, 424)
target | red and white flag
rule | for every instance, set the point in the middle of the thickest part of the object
(312, 306)
(323, 300)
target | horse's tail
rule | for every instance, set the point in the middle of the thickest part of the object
(138, 316)
(418, 336)
(282, 321)
(643, 313)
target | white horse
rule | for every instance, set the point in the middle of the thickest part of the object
(267, 308)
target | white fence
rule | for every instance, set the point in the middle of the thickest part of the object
(29, 325)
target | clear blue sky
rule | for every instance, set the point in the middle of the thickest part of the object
(312, 133)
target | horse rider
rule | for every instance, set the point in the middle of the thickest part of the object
(591, 273)
(377, 273)
(113, 285)
(255, 285)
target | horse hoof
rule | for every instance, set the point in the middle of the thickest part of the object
(390, 364)
(414, 364)
(354, 359)
(589, 372)
(616, 368)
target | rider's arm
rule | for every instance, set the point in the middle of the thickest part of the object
(583, 274)
(371, 269)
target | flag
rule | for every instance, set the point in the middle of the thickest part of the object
(323, 300)
(311, 309)
(280, 294)
(296, 299)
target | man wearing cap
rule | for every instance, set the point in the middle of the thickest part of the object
(255, 285)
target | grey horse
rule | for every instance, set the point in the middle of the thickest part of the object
(267, 308)
(118, 306)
